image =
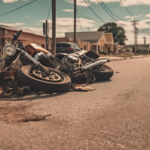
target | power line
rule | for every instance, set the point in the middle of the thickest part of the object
(49, 10)
(17, 8)
(94, 12)
(88, 17)
(120, 9)
(128, 11)
(106, 10)
(110, 10)
(81, 14)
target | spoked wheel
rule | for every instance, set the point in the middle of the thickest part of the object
(102, 72)
(56, 81)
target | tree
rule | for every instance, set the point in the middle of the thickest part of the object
(117, 31)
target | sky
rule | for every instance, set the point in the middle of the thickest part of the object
(91, 14)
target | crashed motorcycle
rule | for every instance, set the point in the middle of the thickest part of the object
(79, 66)
(40, 70)
(31, 72)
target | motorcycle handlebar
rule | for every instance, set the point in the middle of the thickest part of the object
(16, 36)
(18, 33)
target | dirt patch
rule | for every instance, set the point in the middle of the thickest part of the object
(18, 114)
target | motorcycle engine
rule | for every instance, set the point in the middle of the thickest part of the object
(70, 64)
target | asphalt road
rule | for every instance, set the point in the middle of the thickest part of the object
(116, 116)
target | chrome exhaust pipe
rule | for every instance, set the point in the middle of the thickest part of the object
(95, 64)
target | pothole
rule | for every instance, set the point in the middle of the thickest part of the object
(19, 114)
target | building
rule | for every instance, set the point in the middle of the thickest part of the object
(141, 48)
(26, 37)
(100, 41)
(95, 41)
(82, 44)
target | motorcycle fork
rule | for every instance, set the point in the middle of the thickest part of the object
(36, 63)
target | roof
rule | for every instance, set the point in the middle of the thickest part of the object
(91, 41)
(91, 36)
(109, 43)
(17, 29)
(64, 42)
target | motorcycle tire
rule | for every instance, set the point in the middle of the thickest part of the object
(42, 85)
(104, 74)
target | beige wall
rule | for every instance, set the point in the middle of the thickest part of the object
(101, 44)
(25, 38)
(109, 38)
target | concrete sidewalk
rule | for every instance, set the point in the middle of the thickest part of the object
(111, 58)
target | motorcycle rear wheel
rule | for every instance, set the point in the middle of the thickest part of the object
(102, 72)
(28, 77)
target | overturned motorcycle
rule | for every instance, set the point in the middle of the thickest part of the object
(42, 71)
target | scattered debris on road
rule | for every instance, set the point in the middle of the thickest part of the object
(80, 87)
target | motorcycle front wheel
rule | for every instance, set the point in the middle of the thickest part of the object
(57, 81)
(102, 72)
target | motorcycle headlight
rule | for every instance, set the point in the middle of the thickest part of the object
(9, 50)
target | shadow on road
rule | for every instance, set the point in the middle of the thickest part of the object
(103, 81)
(32, 97)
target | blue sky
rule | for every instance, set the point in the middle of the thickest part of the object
(122, 11)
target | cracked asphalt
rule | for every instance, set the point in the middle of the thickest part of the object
(116, 116)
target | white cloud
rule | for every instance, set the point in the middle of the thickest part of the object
(133, 17)
(127, 17)
(148, 15)
(32, 30)
(9, 1)
(66, 25)
(68, 10)
(144, 24)
(13, 24)
(80, 2)
(62, 25)
(125, 2)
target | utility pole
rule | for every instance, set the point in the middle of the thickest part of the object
(135, 35)
(46, 32)
(144, 40)
(54, 27)
(75, 9)
(47, 37)
(137, 30)
(0, 42)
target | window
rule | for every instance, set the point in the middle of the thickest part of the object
(75, 46)
(91, 48)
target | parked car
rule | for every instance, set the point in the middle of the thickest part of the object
(66, 47)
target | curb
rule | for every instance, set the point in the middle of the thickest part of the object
(124, 58)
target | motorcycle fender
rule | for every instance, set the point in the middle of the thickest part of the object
(92, 54)
(32, 49)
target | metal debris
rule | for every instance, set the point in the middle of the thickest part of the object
(80, 87)
(10, 85)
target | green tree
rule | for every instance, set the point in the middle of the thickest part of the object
(117, 31)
